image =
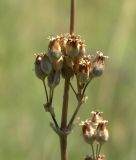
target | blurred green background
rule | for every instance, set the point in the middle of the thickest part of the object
(109, 26)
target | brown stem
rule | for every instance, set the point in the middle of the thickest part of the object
(72, 17)
(63, 127)
(63, 138)
(63, 147)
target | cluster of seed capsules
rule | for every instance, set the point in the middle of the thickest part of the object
(95, 130)
(66, 56)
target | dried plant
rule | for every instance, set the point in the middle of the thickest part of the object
(66, 57)
(95, 132)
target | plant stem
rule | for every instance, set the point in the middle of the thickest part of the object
(45, 90)
(100, 146)
(63, 138)
(73, 89)
(72, 17)
(54, 120)
(63, 127)
(93, 151)
(87, 85)
(74, 115)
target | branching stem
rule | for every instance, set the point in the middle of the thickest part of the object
(74, 115)
(63, 139)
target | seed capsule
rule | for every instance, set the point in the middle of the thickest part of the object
(102, 134)
(98, 64)
(46, 64)
(54, 49)
(74, 46)
(38, 71)
(88, 133)
(82, 67)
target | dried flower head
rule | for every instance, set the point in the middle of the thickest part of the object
(88, 132)
(98, 64)
(82, 67)
(102, 134)
(74, 46)
(54, 49)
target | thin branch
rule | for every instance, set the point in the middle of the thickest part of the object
(54, 120)
(73, 89)
(93, 151)
(72, 17)
(97, 148)
(45, 90)
(100, 146)
(86, 85)
(74, 116)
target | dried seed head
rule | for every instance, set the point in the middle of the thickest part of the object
(46, 65)
(98, 64)
(53, 79)
(38, 71)
(82, 67)
(102, 134)
(88, 132)
(54, 49)
(74, 46)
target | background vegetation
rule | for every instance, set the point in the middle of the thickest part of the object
(109, 26)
